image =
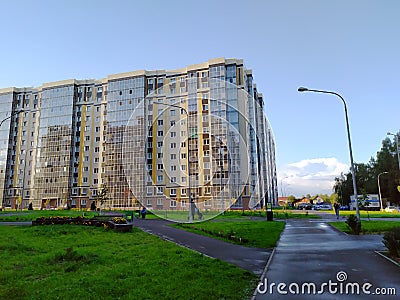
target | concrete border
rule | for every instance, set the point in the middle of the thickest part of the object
(388, 258)
(263, 273)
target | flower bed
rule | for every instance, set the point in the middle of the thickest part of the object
(116, 223)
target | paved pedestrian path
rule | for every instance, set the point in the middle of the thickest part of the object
(251, 259)
(311, 251)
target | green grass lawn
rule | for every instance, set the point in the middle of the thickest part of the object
(232, 215)
(29, 215)
(368, 227)
(78, 262)
(372, 214)
(262, 234)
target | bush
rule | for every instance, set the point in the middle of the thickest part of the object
(354, 223)
(391, 240)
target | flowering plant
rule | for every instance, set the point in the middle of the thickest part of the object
(118, 220)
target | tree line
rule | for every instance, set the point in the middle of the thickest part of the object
(367, 176)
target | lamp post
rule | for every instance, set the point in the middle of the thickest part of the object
(191, 203)
(303, 89)
(379, 189)
(9, 117)
(396, 138)
(12, 114)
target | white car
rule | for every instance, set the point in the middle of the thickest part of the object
(392, 209)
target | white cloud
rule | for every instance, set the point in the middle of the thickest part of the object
(310, 176)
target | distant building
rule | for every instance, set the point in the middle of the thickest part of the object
(62, 141)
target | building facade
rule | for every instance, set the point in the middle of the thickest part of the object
(161, 139)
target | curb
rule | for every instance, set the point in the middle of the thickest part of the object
(264, 273)
(388, 258)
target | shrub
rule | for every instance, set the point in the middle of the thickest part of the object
(354, 223)
(391, 240)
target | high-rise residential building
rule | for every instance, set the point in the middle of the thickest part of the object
(161, 139)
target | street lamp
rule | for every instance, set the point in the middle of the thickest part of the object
(303, 89)
(191, 203)
(12, 114)
(396, 138)
(379, 189)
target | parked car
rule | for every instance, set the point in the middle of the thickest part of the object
(304, 206)
(344, 207)
(322, 207)
(392, 209)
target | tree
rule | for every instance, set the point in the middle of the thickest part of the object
(291, 199)
(102, 195)
(367, 176)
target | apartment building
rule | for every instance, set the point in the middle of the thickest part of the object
(162, 139)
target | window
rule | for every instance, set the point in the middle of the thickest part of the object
(96, 170)
(160, 190)
(173, 112)
(149, 190)
(172, 203)
(207, 177)
(160, 122)
(160, 178)
(173, 168)
(85, 169)
(173, 145)
(159, 201)
(183, 203)
(84, 180)
(183, 144)
(159, 155)
(183, 191)
(160, 133)
(160, 167)
(86, 148)
(206, 165)
(172, 123)
(173, 156)
(159, 144)
(207, 190)
(183, 155)
(97, 149)
(173, 134)
(206, 153)
(172, 192)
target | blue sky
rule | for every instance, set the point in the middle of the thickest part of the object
(348, 46)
